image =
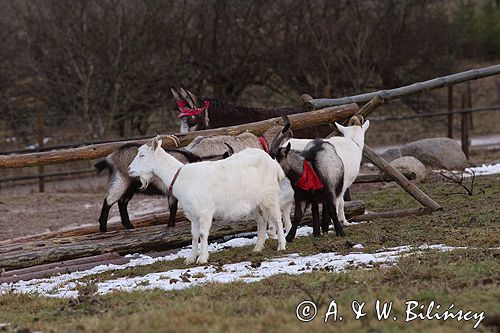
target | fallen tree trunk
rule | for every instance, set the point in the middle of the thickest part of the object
(140, 240)
(162, 218)
(298, 121)
(391, 214)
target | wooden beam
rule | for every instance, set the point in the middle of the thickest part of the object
(411, 89)
(391, 214)
(399, 178)
(298, 121)
(379, 178)
(139, 240)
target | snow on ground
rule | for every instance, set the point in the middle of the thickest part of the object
(485, 169)
(64, 285)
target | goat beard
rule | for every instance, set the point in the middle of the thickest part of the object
(144, 182)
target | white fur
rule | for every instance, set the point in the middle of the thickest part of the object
(242, 185)
(350, 150)
(286, 204)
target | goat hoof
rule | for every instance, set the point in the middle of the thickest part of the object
(170, 225)
(281, 248)
(202, 260)
(258, 248)
(289, 239)
(103, 229)
(190, 260)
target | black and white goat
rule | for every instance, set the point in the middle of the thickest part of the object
(244, 184)
(350, 149)
(122, 187)
(316, 175)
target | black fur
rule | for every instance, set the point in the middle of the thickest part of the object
(223, 114)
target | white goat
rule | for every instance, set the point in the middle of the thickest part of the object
(245, 184)
(350, 150)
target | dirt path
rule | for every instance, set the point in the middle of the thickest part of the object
(22, 214)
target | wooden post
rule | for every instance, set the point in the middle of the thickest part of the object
(465, 130)
(469, 105)
(450, 109)
(41, 136)
(399, 178)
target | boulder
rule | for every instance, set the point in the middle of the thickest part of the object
(410, 164)
(442, 153)
(391, 154)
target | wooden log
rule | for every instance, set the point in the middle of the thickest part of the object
(298, 121)
(140, 240)
(62, 268)
(408, 186)
(379, 178)
(411, 89)
(155, 219)
(391, 214)
(60, 264)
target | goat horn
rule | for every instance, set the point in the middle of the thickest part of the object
(354, 121)
(278, 138)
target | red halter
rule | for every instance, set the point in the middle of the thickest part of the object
(186, 112)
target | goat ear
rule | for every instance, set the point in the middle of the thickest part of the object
(176, 94)
(340, 128)
(366, 125)
(155, 143)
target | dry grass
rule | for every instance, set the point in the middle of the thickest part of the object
(467, 278)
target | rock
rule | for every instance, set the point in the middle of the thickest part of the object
(410, 164)
(391, 154)
(443, 153)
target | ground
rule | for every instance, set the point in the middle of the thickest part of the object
(469, 278)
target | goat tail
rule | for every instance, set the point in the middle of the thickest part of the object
(101, 165)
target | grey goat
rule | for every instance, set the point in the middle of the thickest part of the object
(316, 175)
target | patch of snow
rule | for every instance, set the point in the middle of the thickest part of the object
(483, 170)
(87, 206)
(358, 246)
(175, 279)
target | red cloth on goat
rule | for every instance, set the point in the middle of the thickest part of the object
(309, 179)
(263, 142)
(186, 112)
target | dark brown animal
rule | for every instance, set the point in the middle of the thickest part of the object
(199, 113)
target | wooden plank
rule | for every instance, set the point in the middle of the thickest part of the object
(379, 178)
(140, 240)
(411, 89)
(298, 121)
(391, 214)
